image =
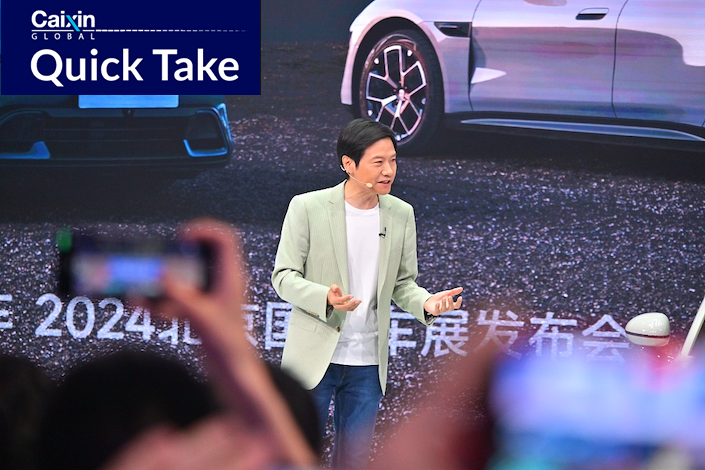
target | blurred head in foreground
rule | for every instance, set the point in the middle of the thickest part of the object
(24, 389)
(107, 403)
(104, 404)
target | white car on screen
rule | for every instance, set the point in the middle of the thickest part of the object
(632, 68)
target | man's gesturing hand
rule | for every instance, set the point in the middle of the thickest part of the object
(442, 302)
(342, 302)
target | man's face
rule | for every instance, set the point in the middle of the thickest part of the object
(377, 166)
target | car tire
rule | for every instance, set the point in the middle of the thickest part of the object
(401, 86)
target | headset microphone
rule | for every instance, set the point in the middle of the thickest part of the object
(369, 185)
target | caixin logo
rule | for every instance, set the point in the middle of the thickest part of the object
(47, 26)
(84, 47)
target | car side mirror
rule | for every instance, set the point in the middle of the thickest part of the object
(649, 329)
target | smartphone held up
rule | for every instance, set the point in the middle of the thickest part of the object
(124, 265)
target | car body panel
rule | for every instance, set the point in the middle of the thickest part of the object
(657, 41)
(547, 59)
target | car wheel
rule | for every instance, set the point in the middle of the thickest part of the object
(401, 86)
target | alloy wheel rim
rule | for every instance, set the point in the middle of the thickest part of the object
(396, 90)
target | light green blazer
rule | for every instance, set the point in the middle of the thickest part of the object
(312, 255)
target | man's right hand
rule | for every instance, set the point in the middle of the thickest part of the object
(341, 302)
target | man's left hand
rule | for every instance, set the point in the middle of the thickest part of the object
(442, 302)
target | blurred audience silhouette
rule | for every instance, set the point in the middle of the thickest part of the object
(24, 389)
(104, 404)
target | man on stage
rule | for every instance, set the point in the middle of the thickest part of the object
(345, 253)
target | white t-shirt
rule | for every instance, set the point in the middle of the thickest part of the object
(358, 345)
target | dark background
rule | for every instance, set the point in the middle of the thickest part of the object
(308, 20)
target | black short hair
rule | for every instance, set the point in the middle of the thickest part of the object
(359, 135)
(103, 404)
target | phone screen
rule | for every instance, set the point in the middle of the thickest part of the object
(110, 266)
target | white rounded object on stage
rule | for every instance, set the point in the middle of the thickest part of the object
(649, 329)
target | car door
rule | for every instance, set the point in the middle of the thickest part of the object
(544, 56)
(660, 63)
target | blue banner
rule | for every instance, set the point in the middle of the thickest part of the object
(91, 47)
